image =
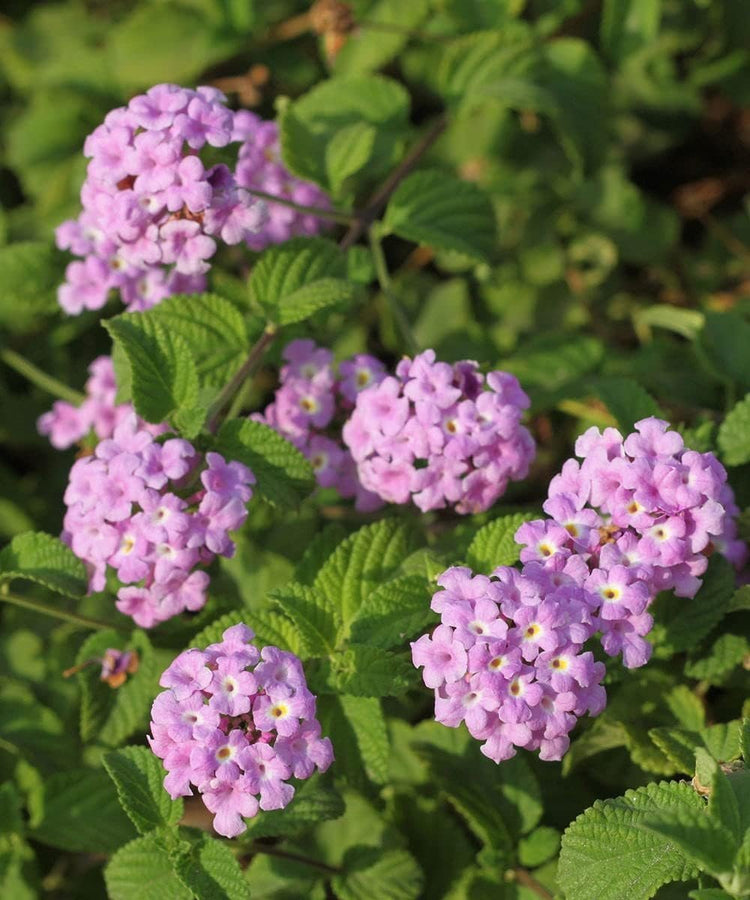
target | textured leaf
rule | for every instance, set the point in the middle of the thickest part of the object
(211, 871)
(701, 839)
(362, 563)
(138, 776)
(312, 613)
(143, 870)
(494, 544)
(444, 212)
(366, 671)
(734, 434)
(321, 546)
(365, 715)
(371, 872)
(163, 372)
(283, 475)
(314, 801)
(606, 855)
(80, 813)
(721, 658)
(43, 559)
(395, 612)
(723, 806)
(349, 151)
(681, 623)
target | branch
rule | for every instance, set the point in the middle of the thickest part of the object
(332, 215)
(296, 857)
(39, 378)
(55, 613)
(527, 880)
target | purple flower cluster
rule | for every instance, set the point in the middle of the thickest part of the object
(135, 505)
(440, 435)
(507, 659)
(236, 724)
(309, 405)
(152, 212)
(637, 516)
(66, 424)
(259, 167)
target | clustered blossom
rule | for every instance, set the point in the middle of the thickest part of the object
(637, 516)
(259, 167)
(309, 406)
(508, 659)
(66, 424)
(236, 724)
(152, 211)
(440, 435)
(135, 505)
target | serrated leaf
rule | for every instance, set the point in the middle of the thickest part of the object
(734, 434)
(395, 612)
(80, 813)
(606, 855)
(475, 62)
(678, 745)
(626, 400)
(283, 475)
(722, 801)
(444, 212)
(679, 623)
(325, 293)
(701, 839)
(44, 559)
(362, 563)
(312, 613)
(317, 552)
(138, 776)
(348, 152)
(721, 658)
(314, 801)
(551, 360)
(495, 545)
(366, 671)
(309, 124)
(365, 715)
(211, 871)
(371, 872)
(143, 870)
(163, 372)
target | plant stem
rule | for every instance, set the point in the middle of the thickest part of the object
(41, 379)
(332, 215)
(296, 857)
(367, 216)
(527, 880)
(384, 280)
(228, 391)
(55, 613)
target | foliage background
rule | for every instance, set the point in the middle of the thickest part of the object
(610, 138)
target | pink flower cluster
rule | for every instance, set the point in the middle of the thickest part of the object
(259, 167)
(66, 424)
(440, 435)
(308, 407)
(135, 505)
(152, 212)
(637, 516)
(237, 724)
(507, 659)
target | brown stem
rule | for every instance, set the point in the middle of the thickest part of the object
(378, 200)
(527, 880)
(227, 392)
(332, 215)
(296, 857)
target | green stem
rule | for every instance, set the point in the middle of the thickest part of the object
(41, 379)
(296, 857)
(332, 215)
(384, 280)
(55, 613)
(228, 391)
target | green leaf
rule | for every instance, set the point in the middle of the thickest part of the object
(371, 872)
(444, 212)
(552, 360)
(627, 26)
(80, 813)
(143, 870)
(32, 271)
(483, 64)
(214, 330)
(211, 871)
(626, 400)
(284, 477)
(677, 745)
(312, 613)
(725, 339)
(606, 855)
(368, 672)
(365, 715)
(349, 152)
(368, 48)
(542, 844)
(395, 612)
(686, 707)
(43, 559)
(734, 434)
(163, 372)
(721, 658)
(701, 839)
(494, 544)
(722, 801)
(362, 563)
(314, 801)
(296, 279)
(709, 894)
(138, 776)
(681, 623)
(321, 546)
(310, 123)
